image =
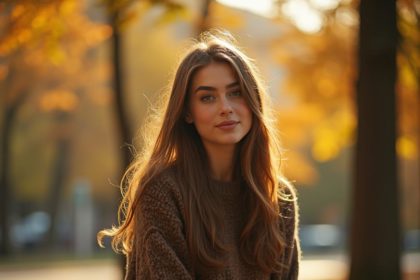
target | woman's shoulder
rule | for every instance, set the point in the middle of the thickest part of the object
(165, 177)
(287, 198)
(287, 190)
(163, 185)
(289, 210)
(160, 207)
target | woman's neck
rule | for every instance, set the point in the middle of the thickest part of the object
(221, 160)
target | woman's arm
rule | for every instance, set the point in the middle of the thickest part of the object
(294, 226)
(160, 247)
(289, 217)
(294, 261)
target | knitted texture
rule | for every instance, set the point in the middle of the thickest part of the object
(160, 247)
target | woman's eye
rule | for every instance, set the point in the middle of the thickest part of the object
(235, 93)
(207, 98)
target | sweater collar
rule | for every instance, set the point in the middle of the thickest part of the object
(227, 189)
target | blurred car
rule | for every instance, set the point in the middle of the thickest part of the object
(321, 237)
(31, 230)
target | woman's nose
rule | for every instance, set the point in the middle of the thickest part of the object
(226, 107)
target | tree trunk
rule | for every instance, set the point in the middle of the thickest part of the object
(5, 248)
(375, 229)
(125, 135)
(58, 176)
(204, 20)
(6, 197)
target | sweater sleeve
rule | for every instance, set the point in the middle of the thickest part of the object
(160, 247)
(294, 225)
(289, 217)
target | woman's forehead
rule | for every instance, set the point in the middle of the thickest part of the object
(215, 74)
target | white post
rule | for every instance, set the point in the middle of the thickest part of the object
(83, 217)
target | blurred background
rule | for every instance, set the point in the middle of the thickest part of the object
(77, 78)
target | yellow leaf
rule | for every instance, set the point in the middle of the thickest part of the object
(59, 100)
(225, 16)
(18, 11)
(172, 13)
(406, 147)
(67, 7)
(4, 69)
(326, 146)
(297, 168)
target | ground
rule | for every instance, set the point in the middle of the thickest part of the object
(325, 267)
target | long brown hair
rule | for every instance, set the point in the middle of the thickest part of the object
(178, 144)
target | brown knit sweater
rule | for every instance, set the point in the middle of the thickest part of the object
(160, 246)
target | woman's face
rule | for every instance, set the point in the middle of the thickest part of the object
(217, 107)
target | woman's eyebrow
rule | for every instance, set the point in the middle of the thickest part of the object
(234, 84)
(206, 88)
(210, 88)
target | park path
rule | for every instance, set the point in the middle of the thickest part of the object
(66, 270)
(326, 267)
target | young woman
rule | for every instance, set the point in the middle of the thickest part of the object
(206, 199)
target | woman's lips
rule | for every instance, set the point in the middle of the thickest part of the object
(227, 125)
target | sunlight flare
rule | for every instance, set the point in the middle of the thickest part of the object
(264, 8)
